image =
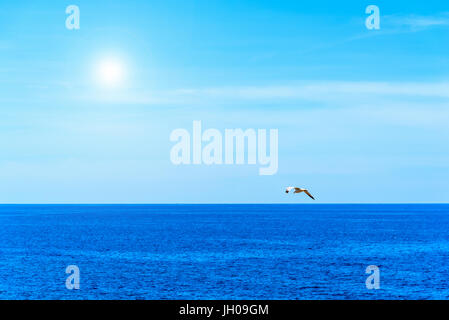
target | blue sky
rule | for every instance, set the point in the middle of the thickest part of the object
(362, 114)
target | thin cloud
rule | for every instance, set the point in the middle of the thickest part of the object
(417, 23)
(336, 93)
(319, 90)
(328, 92)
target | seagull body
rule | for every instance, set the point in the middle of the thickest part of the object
(299, 190)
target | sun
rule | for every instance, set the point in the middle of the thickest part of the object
(110, 72)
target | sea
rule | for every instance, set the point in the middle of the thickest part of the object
(228, 251)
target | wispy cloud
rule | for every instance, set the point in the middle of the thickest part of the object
(335, 93)
(416, 22)
(322, 90)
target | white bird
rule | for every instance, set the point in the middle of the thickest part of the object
(299, 190)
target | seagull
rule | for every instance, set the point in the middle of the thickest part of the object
(299, 190)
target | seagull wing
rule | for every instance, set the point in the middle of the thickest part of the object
(307, 192)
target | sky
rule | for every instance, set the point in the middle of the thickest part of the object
(362, 115)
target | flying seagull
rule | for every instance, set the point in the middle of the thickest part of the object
(299, 190)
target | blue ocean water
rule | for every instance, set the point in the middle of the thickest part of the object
(224, 251)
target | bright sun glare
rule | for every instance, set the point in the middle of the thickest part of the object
(110, 72)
